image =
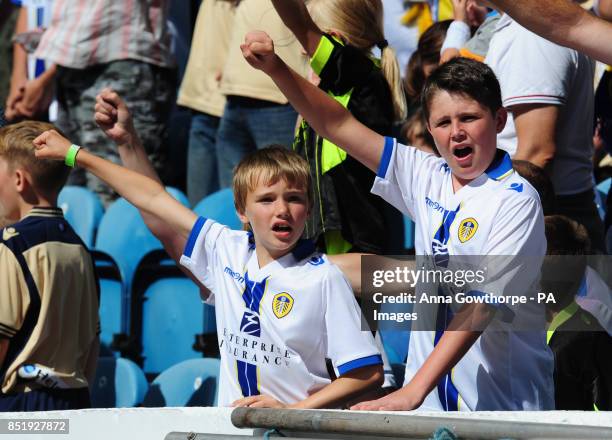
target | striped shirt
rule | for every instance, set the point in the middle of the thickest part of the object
(84, 33)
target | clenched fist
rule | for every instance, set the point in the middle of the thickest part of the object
(51, 145)
(258, 50)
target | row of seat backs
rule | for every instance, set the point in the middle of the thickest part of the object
(122, 241)
(120, 383)
(121, 232)
(157, 323)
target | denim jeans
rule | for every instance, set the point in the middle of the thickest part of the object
(202, 175)
(250, 124)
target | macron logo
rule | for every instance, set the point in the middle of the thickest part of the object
(518, 187)
(234, 275)
(434, 205)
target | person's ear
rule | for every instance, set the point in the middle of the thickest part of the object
(21, 179)
(428, 127)
(242, 216)
(501, 117)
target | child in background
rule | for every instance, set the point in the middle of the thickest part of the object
(48, 291)
(496, 211)
(459, 40)
(339, 36)
(582, 348)
(416, 134)
(268, 286)
(423, 62)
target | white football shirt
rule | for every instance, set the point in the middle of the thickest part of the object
(498, 213)
(277, 324)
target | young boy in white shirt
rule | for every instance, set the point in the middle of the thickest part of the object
(281, 309)
(468, 202)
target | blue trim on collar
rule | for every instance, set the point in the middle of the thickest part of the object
(582, 290)
(500, 167)
(193, 236)
(251, 239)
(385, 159)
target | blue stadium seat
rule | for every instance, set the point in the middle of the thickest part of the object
(408, 233)
(219, 206)
(119, 383)
(396, 335)
(124, 236)
(604, 187)
(190, 383)
(83, 210)
(112, 297)
(395, 343)
(168, 315)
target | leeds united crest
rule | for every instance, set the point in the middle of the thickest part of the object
(282, 304)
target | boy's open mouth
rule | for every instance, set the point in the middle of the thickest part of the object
(463, 152)
(281, 228)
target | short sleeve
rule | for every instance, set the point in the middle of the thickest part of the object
(198, 255)
(536, 71)
(14, 294)
(348, 346)
(399, 174)
(518, 230)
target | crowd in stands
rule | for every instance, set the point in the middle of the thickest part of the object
(334, 123)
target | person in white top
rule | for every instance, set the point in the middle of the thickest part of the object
(548, 90)
(564, 23)
(468, 202)
(281, 309)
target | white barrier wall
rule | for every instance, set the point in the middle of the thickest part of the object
(156, 423)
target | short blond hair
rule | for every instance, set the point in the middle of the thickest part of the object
(269, 165)
(17, 148)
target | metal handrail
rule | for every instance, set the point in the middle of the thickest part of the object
(401, 425)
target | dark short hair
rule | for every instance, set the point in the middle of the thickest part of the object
(567, 247)
(464, 76)
(565, 236)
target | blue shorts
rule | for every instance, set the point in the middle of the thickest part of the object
(45, 399)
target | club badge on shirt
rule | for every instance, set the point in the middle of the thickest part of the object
(467, 229)
(282, 304)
